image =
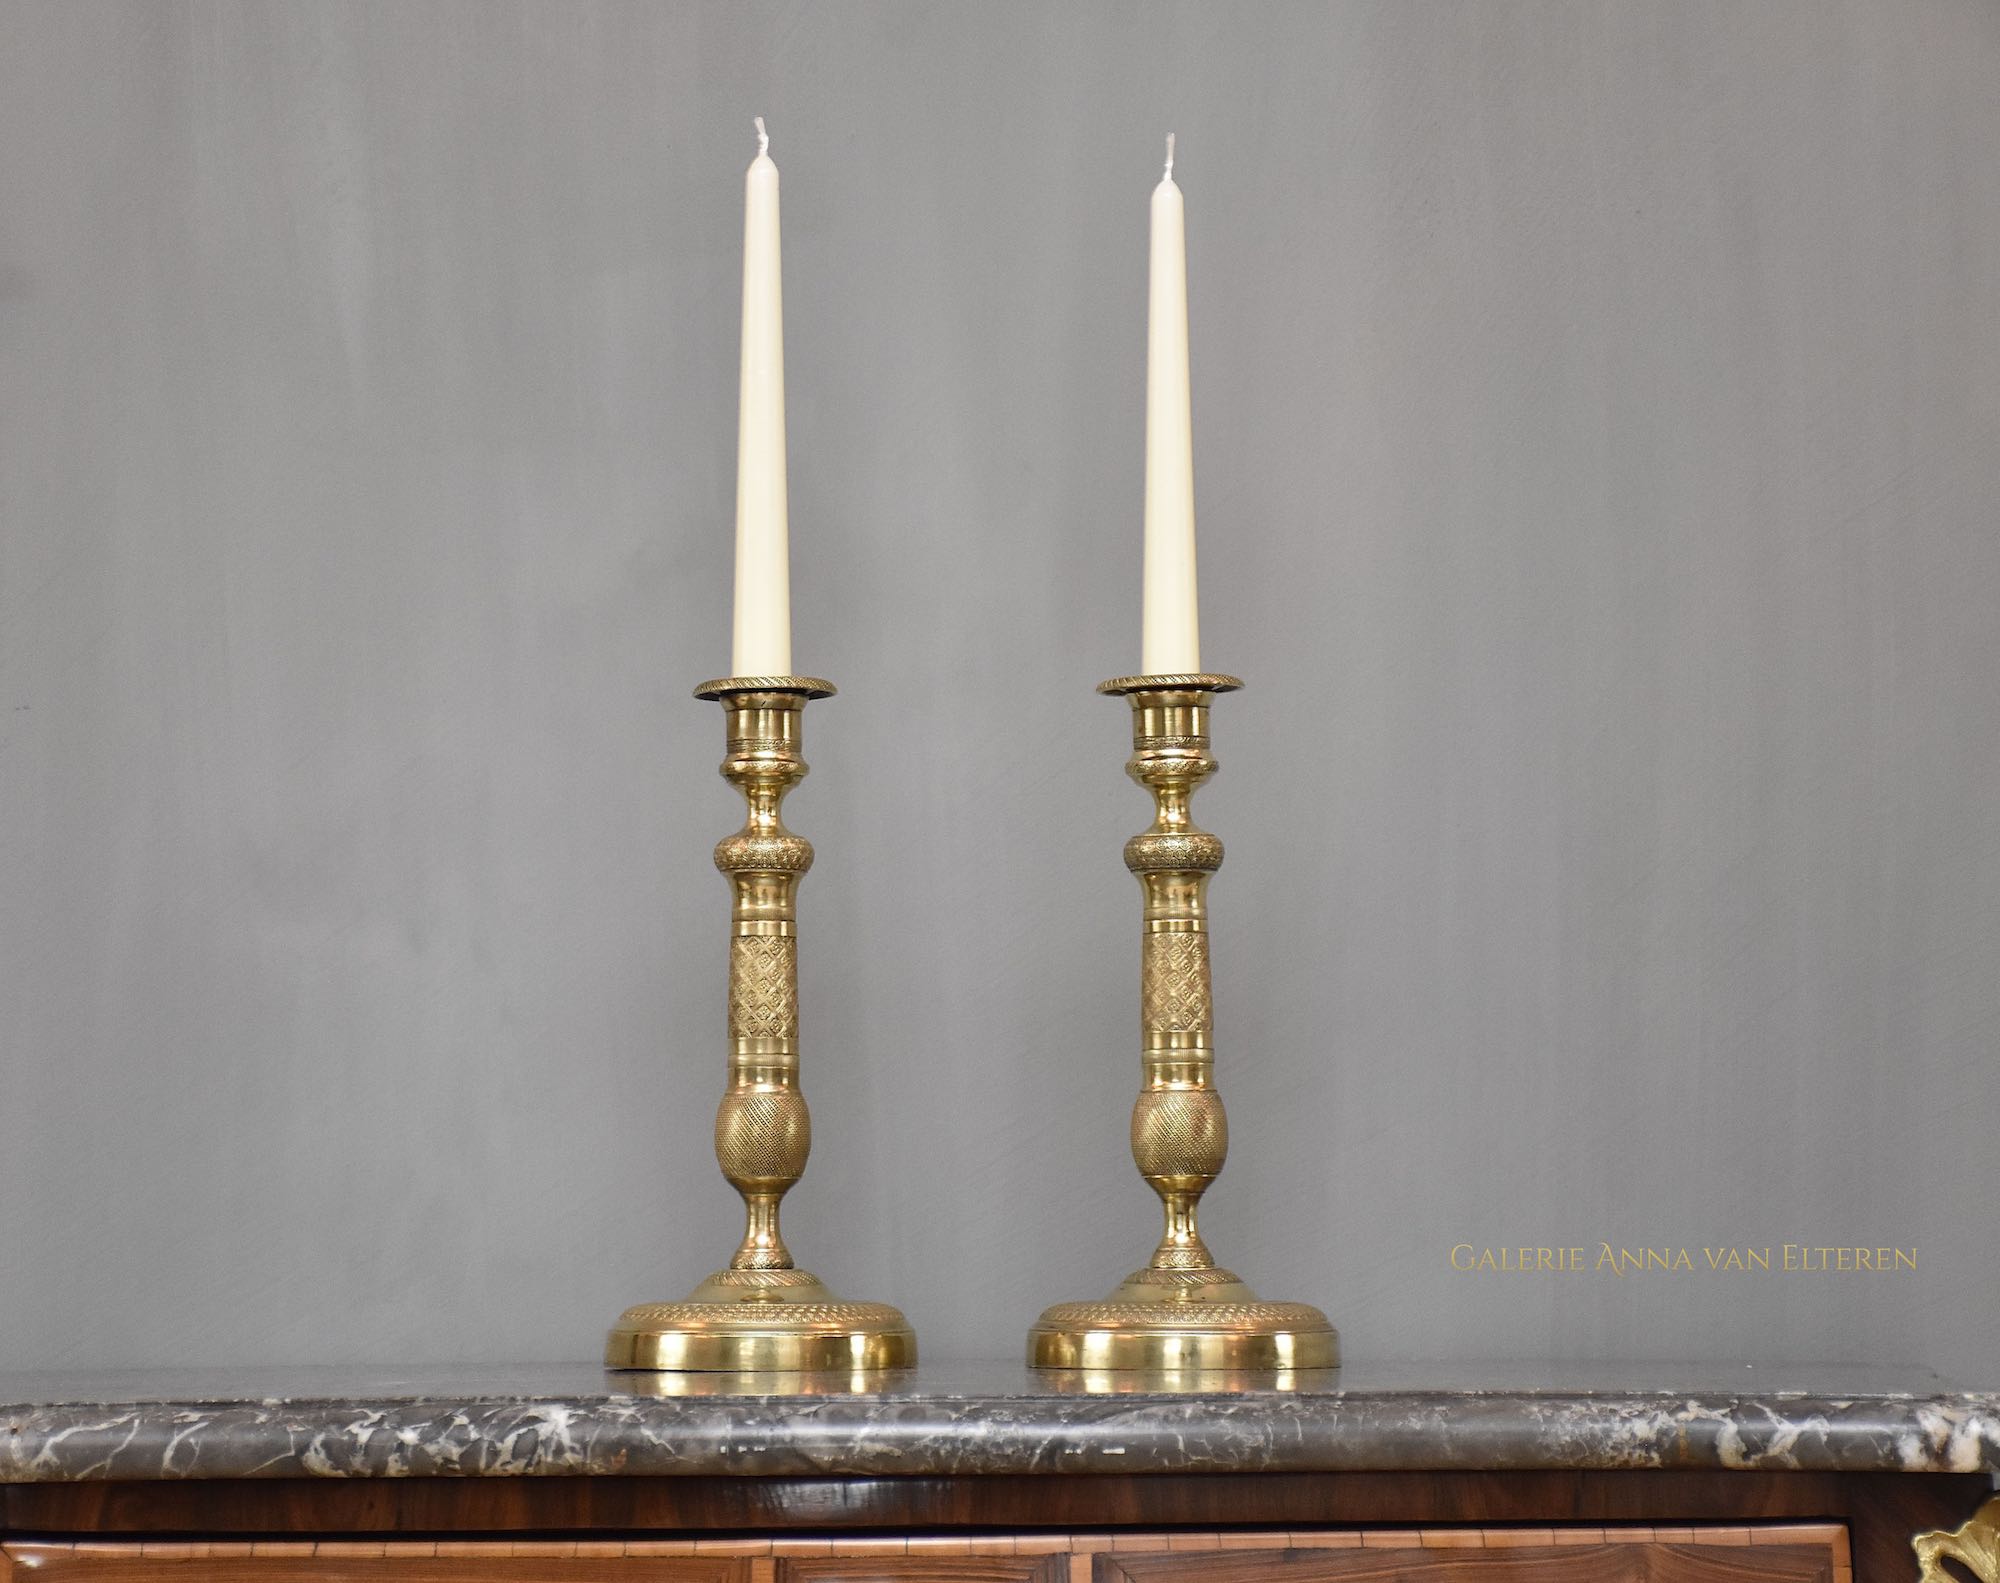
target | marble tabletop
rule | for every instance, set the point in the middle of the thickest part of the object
(574, 1419)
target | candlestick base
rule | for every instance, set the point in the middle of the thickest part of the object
(782, 1322)
(1173, 1335)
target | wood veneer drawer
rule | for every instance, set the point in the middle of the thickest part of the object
(1472, 1555)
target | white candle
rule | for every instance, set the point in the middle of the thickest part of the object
(1170, 640)
(763, 629)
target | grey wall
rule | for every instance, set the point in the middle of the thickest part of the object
(1596, 413)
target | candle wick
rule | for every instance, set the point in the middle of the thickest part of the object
(1169, 176)
(764, 139)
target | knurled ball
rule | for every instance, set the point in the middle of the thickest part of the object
(762, 1137)
(1179, 1132)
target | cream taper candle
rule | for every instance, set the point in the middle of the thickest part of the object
(763, 628)
(1170, 639)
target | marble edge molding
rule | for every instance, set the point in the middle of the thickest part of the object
(864, 1436)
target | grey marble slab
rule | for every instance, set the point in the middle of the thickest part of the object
(993, 1418)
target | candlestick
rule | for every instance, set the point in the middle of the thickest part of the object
(1180, 1312)
(762, 1313)
(763, 626)
(1170, 641)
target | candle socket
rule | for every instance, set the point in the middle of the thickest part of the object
(1181, 1313)
(762, 1314)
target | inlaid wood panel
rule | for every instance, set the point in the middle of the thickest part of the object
(855, 1562)
(343, 1561)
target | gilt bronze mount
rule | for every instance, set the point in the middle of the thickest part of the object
(1181, 1313)
(1974, 1544)
(762, 1314)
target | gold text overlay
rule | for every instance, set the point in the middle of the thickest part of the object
(1609, 1258)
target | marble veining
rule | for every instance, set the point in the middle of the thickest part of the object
(568, 1419)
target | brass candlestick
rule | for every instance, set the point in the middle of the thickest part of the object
(762, 1314)
(1179, 1313)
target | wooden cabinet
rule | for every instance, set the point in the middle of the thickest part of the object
(1762, 1553)
(1641, 1524)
